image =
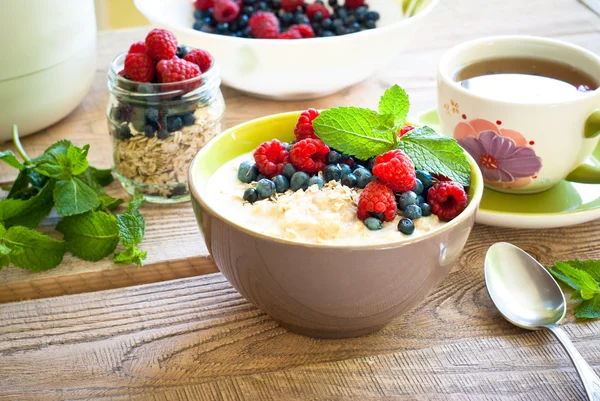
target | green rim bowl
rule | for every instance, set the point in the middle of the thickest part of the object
(321, 290)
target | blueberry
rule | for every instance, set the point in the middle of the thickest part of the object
(420, 200)
(174, 123)
(379, 216)
(373, 224)
(406, 226)
(406, 198)
(332, 172)
(288, 170)
(247, 32)
(342, 13)
(370, 24)
(373, 15)
(316, 180)
(302, 20)
(198, 14)
(248, 10)
(419, 188)
(233, 27)
(281, 183)
(299, 181)
(198, 25)
(149, 130)
(337, 23)
(425, 178)
(222, 27)
(318, 17)
(247, 171)
(151, 115)
(259, 177)
(188, 119)
(354, 25)
(349, 180)
(123, 132)
(249, 2)
(363, 177)
(425, 209)
(328, 34)
(243, 21)
(250, 195)
(287, 18)
(265, 188)
(371, 163)
(287, 146)
(413, 212)
(163, 133)
(333, 157)
(327, 23)
(208, 13)
(345, 169)
(262, 6)
(207, 29)
(182, 50)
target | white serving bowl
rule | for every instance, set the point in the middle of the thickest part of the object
(294, 69)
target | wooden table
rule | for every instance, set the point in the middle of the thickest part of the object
(197, 339)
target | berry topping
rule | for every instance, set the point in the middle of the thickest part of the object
(161, 44)
(406, 226)
(250, 195)
(376, 198)
(265, 188)
(447, 199)
(292, 33)
(291, 5)
(314, 8)
(419, 188)
(139, 67)
(282, 184)
(226, 10)
(412, 212)
(396, 170)
(363, 177)
(299, 180)
(264, 25)
(407, 198)
(373, 223)
(425, 178)
(176, 70)
(349, 180)
(354, 3)
(405, 129)
(333, 157)
(305, 30)
(247, 172)
(316, 180)
(288, 170)
(304, 128)
(270, 157)
(137, 47)
(203, 5)
(201, 58)
(332, 172)
(309, 154)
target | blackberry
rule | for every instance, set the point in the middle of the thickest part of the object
(349, 180)
(373, 224)
(188, 119)
(281, 183)
(316, 180)
(299, 181)
(265, 188)
(406, 226)
(332, 172)
(412, 212)
(288, 170)
(250, 195)
(174, 123)
(247, 172)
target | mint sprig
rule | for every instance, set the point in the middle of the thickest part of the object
(131, 229)
(583, 277)
(365, 133)
(62, 178)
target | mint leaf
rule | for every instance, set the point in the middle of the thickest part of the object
(90, 236)
(73, 196)
(62, 161)
(32, 250)
(9, 158)
(78, 159)
(576, 279)
(30, 212)
(589, 308)
(108, 202)
(102, 177)
(131, 228)
(27, 184)
(136, 202)
(436, 154)
(132, 255)
(395, 102)
(353, 131)
(592, 267)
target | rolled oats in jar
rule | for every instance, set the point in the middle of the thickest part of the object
(157, 129)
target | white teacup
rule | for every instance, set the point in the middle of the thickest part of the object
(528, 146)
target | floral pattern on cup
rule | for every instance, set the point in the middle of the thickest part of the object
(503, 155)
(452, 107)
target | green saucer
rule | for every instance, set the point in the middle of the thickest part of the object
(565, 204)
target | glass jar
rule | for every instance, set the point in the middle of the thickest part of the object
(157, 129)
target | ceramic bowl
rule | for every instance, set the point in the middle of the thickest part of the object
(320, 290)
(295, 69)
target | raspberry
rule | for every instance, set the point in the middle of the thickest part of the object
(405, 129)
(354, 3)
(137, 47)
(270, 157)
(292, 33)
(396, 170)
(291, 5)
(201, 58)
(304, 128)
(447, 199)
(176, 70)
(308, 155)
(161, 45)
(139, 67)
(305, 30)
(264, 25)
(376, 198)
(203, 5)
(313, 8)
(226, 10)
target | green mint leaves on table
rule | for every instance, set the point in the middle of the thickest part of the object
(584, 278)
(61, 178)
(365, 133)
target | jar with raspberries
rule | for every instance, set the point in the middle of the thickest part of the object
(165, 104)
(283, 19)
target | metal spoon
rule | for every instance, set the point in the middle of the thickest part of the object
(527, 295)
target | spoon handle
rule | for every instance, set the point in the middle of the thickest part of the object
(591, 382)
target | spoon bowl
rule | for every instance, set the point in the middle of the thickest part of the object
(524, 292)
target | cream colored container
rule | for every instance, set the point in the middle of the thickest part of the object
(48, 51)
